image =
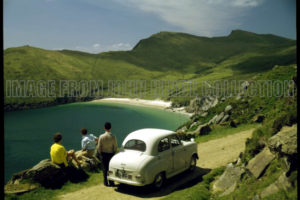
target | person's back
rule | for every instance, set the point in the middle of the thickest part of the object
(88, 144)
(107, 147)
(58, 154)
(107, 143)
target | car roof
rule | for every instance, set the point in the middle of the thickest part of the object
(148, 134)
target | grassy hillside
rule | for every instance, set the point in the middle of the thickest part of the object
(192, 54)
(164, 56)
(278, 112)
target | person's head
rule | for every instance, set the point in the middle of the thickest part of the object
(83, 131)
(107, 126)
(57, 137)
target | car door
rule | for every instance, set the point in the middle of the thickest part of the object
(165, 155)
(178, 154)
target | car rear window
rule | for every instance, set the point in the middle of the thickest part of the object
(138, 145)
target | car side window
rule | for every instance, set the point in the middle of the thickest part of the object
(163, 145)
(175, 141)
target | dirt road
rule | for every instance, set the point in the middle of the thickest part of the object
(218, 152)
(212, 154)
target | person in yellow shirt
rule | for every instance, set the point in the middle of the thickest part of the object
(58, 153)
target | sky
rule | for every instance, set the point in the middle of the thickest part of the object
(108, 25)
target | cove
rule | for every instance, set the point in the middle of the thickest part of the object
(28, 134)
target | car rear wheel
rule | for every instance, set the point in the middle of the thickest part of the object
(159, 181)
(193, 163)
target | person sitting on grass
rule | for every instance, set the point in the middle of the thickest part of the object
(88, 144)
(58, 153)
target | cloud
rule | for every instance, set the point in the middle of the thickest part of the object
(97, 48)
(96, 45)
(203, 17)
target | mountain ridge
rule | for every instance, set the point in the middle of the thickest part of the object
(163, 55)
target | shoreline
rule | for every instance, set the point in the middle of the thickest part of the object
(157, 103)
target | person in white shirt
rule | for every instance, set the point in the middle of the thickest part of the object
(88, 144)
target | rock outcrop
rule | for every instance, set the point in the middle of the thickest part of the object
(258, 164)
(228, 180)
(281, 183)
(281, 146)
(201, 104)
(228, 108)
(50, 175)
(284, 142)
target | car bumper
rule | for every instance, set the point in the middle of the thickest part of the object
(126, 181)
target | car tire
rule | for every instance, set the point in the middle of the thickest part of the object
(193, 164)
(159, 181)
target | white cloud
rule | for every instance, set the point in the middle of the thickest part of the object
(97, 48)
(246, 3)
(203, 17)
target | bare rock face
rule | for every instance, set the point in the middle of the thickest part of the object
(228, 180)
(213, 120)
(220, 117)
(19, 188)
(45, 174)
(202, 129)
(228, 108)
(87, 164)
(257, 164)
(202, 104)
(225, 118)
(284, 142)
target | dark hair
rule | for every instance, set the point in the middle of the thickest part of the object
(107, 125)
(57, 137)
(83, 131)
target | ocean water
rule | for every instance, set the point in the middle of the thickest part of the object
(28, 134)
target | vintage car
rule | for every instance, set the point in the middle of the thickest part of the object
(150, 156)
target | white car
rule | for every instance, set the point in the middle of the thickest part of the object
(150, 156)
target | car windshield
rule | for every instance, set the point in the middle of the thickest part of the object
(138, 145)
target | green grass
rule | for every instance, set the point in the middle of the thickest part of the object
(224, 131)
(51, 194)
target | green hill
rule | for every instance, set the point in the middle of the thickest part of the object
(164, 56)
(192, 54)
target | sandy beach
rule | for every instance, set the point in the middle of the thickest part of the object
(157, 103)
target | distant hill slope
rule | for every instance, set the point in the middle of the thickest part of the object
(186, 53)
(165, 55)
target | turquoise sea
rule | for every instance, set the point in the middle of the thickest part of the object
(28, 134)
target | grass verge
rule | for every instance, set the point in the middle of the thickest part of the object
(223, 132)
(50, 194)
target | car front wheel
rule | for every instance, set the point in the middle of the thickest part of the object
(159, 181)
